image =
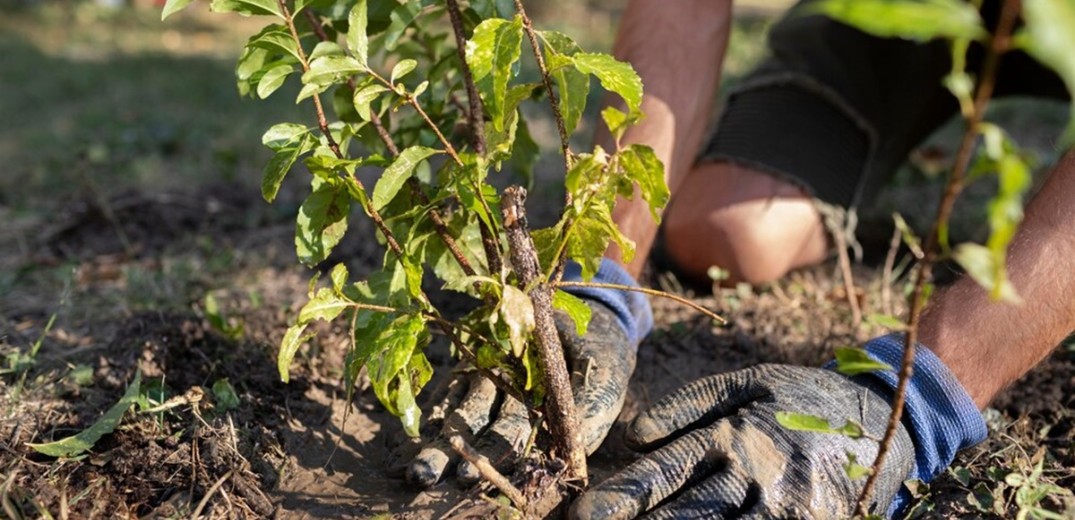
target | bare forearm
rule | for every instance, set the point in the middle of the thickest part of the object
(988, 345)
(677, 48)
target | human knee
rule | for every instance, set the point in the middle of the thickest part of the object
(736, 239)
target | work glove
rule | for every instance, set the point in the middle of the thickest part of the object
(724, 455)
(601, 364)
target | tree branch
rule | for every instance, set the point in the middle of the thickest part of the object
(476, 117)
(559, 403)
(643, 290)
(565, 143)
(488, 472)
(476, 122)
(1000, 43)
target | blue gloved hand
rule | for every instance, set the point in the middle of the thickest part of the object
(725, 456)
(601, 364)
(942, 419)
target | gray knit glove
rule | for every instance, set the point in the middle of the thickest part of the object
(601, 364)
(731, 459)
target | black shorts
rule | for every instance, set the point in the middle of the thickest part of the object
(836, 110)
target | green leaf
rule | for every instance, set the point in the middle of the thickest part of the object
(518, 314)
(224, 395)
(173, 6)
(395, 346)
(84, 440)
(981, 497)
(248, 68)
(617, 121)
(961, 474)
(326, 49)
(407, 408)
(364, 96)
(803, 422)
(614, 75)
(589, 237)
(642, 166)
(401, 69)
(501, 139)
(273, 79)
(310, 90)
(325, 305)
(575, 308)
(573, 86)
(283, 135)
(853, 469)
(481, 46)
(338, 275)
(886, 321)
(281, 162)
(909, 238)
(395, 175)
(1049, 38)
(357, 40)
(493, 50)
(851, 429)
(919, 20)
(329, 70)
(420, 89)
(322, 221)
(813, 423)
(852, 361)
(982, 265)
(399, 19)
(248, 7)
(581, 180)
(293, 339)
(276, 39)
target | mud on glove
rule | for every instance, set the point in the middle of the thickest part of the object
(724, 455)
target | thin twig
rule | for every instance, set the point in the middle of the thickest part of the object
(565, 143)
(886, 274)
(1000, 43)
(381, 131)
(643, 290)
(209, 494)
(413, 102)
(849, 280)
(488, 472)
(475, 117)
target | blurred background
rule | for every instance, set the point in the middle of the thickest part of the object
(100, 96)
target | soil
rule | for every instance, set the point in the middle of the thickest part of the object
(300, 450)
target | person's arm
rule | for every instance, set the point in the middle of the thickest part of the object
(677, 49)
(988, 345)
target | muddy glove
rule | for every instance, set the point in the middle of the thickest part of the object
(601, 364)
(734, 460)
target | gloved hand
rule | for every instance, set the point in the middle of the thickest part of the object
(601, 365)
(736, 461)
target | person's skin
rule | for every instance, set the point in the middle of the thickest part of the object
(987, 345)
(758, 227)
(749, 223)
